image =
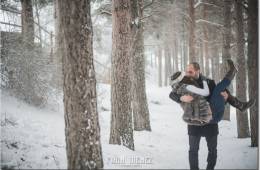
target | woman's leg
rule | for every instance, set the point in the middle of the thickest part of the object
(217, 102)
(221, 86)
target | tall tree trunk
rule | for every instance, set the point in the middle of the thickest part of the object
(121, 131)
(160, 65)
(167, 63)
(27, 21)
(206, 58)
(206, 52)
(139, 99)
(151, 60)
(175, 56)
(174, 43)
(215, 64)
(192, 57)
(242, 118)
(253, 67)
(80, 100)
(29, 89)
(38, 21)
(172, 59)
(184, 57)
(205, 42)
(210, 59)
(57, 32)
(201, 55)
(155, 57)
(170, 62)
(57, 76)
(226, 45)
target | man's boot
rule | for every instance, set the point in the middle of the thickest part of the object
(232, 70)
(242, 106)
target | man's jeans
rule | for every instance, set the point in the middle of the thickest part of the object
(194, 142)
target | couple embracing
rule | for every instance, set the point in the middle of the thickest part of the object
(203, 103)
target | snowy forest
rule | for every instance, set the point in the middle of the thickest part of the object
(85, 84)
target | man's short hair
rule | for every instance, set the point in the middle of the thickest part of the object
(195, 65)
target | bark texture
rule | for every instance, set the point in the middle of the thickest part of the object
(79, 86)
(121, 131)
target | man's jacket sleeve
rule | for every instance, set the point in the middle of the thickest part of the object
(175, 97)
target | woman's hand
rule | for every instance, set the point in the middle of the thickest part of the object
(186, 98)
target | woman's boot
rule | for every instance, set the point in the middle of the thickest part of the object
(242, 106)
(232, 70)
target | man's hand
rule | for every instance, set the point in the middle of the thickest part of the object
(225, 95)
(186, 98)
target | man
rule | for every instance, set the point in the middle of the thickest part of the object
(209, 131)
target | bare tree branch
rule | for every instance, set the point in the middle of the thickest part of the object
(102, 11)
(147, 5)
(145, 17)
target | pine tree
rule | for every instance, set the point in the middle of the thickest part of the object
(192, 57)
(242, 119)
(27, 22)
(253, 67)
(80, 99)
(160, 65)
(226, 44)
(121, 130)
(139, 99)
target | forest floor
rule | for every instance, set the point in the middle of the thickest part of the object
(34, 137)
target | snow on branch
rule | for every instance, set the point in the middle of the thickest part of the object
(197, 4)
(208, 22)
(205, 3)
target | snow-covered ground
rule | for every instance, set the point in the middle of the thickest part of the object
(34, 137)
